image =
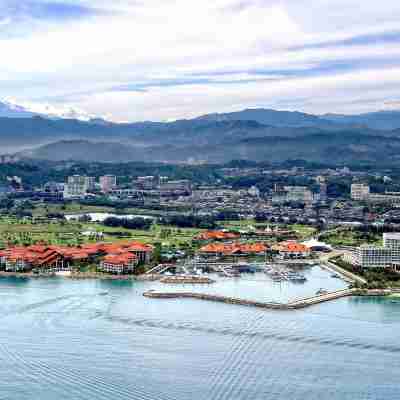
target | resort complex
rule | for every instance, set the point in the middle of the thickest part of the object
(113, 258)
(369, 256)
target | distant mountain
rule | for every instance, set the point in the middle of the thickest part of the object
(257, 134)
(340, 147)
(292, 119)
(381, 120)
(83, 150)
(38, 130)
(9, 110)
(12, 110)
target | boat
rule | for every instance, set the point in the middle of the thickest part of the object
(103, 293)
(297, 277)
(321, 292)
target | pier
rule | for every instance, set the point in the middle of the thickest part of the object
(296, 304)
(184, 279)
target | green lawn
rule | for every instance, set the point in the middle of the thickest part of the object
(346, 237)
(24, 232)
(302, 231)
(72, 208)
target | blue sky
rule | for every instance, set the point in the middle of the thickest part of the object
(165, 59)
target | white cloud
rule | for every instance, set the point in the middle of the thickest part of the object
(141, 42)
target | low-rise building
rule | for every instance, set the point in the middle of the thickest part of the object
(292, 249)
(109, 256)
(233, 249)
(119, 263)
(216, 235)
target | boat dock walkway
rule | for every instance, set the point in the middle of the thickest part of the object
(297, 304)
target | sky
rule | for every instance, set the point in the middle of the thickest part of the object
(134, 60)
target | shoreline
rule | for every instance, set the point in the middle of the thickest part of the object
(82, 276)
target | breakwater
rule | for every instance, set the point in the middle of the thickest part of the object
(182, 279)
(296, 304)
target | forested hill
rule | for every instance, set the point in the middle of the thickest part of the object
(256, 134)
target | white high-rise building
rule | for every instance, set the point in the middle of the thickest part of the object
(391, 240)
(359, 191)
(78, 186)
(376, 256)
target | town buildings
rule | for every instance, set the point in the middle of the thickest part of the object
(287, 194)
(77, 186)
(359, 191)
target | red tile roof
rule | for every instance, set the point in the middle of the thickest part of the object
(293, 247)
(234, 248)
(45, 255)
(217, 235)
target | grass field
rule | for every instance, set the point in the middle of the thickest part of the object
(302, 231)
(25, 232)
(346, 237)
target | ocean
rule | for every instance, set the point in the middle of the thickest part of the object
(99, 339)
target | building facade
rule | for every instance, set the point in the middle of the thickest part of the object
(386, 256)
(108, 183)
(78, 185)
(359, 191)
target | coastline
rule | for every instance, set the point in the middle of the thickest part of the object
(82, 275)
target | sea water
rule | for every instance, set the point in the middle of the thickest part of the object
(99, 339)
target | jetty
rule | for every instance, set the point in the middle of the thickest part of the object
(296, 304)
(182, 279)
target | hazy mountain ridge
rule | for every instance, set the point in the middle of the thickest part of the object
(342, 147)
(213, 137)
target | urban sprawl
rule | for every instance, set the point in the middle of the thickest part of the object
(159, 224)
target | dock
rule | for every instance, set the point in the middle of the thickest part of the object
(296, 304)
(182, 279)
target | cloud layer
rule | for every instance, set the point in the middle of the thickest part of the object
(166, 59)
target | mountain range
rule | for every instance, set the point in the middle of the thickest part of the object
(255, 134)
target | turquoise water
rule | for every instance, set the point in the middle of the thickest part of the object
(63, 339)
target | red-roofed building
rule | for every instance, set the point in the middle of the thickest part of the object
(292, 249)
(142, 251)
(117, 256)
(216, 235)
(20, 259)
(119, 263)
(228, 249)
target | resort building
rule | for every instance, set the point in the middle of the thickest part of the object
(216, 235)
(367, 256)
(291, 249)
(119, 263)
(233, 249)
(110, 257)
